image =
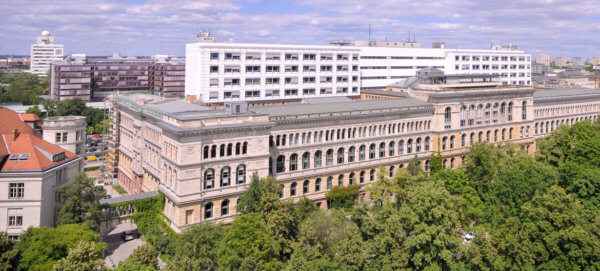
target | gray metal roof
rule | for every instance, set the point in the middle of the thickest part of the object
(126, 198)
(565, 95)
(339, 107)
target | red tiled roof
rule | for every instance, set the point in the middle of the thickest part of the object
(29, 117)
(16, 137)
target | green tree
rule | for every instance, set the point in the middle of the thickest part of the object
(79, 202)
(40, 248)
(436, 164)
(196, 249)
(35, 110)
(85, 256)
(262, 196)
(8, 255)
(248, 245)
(23, 88)
(328, 240)
(342, 197)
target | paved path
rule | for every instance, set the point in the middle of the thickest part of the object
(119, 250)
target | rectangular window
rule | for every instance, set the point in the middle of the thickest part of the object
(309, 80)
(64, 136)
(342, 57)
(326, 91)
(231, 82)
(232, 69)
(253, 68)
(253, 56)
(252, 81)
(214, 69)
(16, 190)
(58, 137)
(214, 56)
(342, 68)
(252, 93)
(309, 57)
(309, 68)
(272, 80)
(326, 79)
(291, 56)
(213, 82)
(291, 92)
(15, 220)
(232, 56)
(326, 57)
(273, 56)
(272, 68)
(326, 68)
(308, 91)
(291, 80)
(291, 68)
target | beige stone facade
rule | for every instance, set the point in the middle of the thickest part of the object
(202, 158)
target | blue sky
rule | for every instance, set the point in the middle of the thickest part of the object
(146, 27)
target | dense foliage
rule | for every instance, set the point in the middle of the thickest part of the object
(79, 202)
(23, 88)
(504, 210)
(43, 248)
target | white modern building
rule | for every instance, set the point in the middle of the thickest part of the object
(220, 72)
(44, 52)
(383, 66)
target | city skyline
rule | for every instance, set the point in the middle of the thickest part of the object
(103, 27)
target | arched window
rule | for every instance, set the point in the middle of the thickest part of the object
(341, 180)
(391, 148)
(427, 165)
(503, 134)
(213, 151)
(351, 179)
(524, 115)
(206, 152)
(463, 140)
(229, 149)
(208, 210)
(488, 136)
(280, 164)
(238, 147)
(496, 135)
(293, 162)
(447, 117)
(452, 139)
(361, 177)
(427, 143)
(510, 107)
(225, 176)
(222, 150)
(318, 185)
(209, 178)
(245, 146)
(240, 176)
(381, 149)
(329, 182)
(351, 154)
(372, 151)
(480, 137)
(391, 173)
(224, 207)
(510, 133)
(318, 157)
(305, 160)
(329, 157)
(340, 156)
(372, 175)
(305, 186)
(361, 152)
(418, 144)
(401, 147)
(409, 145)
(444, 142)
(293, 189)
(472, 138)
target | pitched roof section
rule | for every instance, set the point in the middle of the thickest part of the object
(22, 150)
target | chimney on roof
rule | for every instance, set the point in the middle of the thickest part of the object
(15, 133)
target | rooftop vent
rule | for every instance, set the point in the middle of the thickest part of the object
(236, 108)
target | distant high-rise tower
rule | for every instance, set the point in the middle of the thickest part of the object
(44, 52)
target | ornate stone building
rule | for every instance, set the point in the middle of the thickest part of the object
(203, 157)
